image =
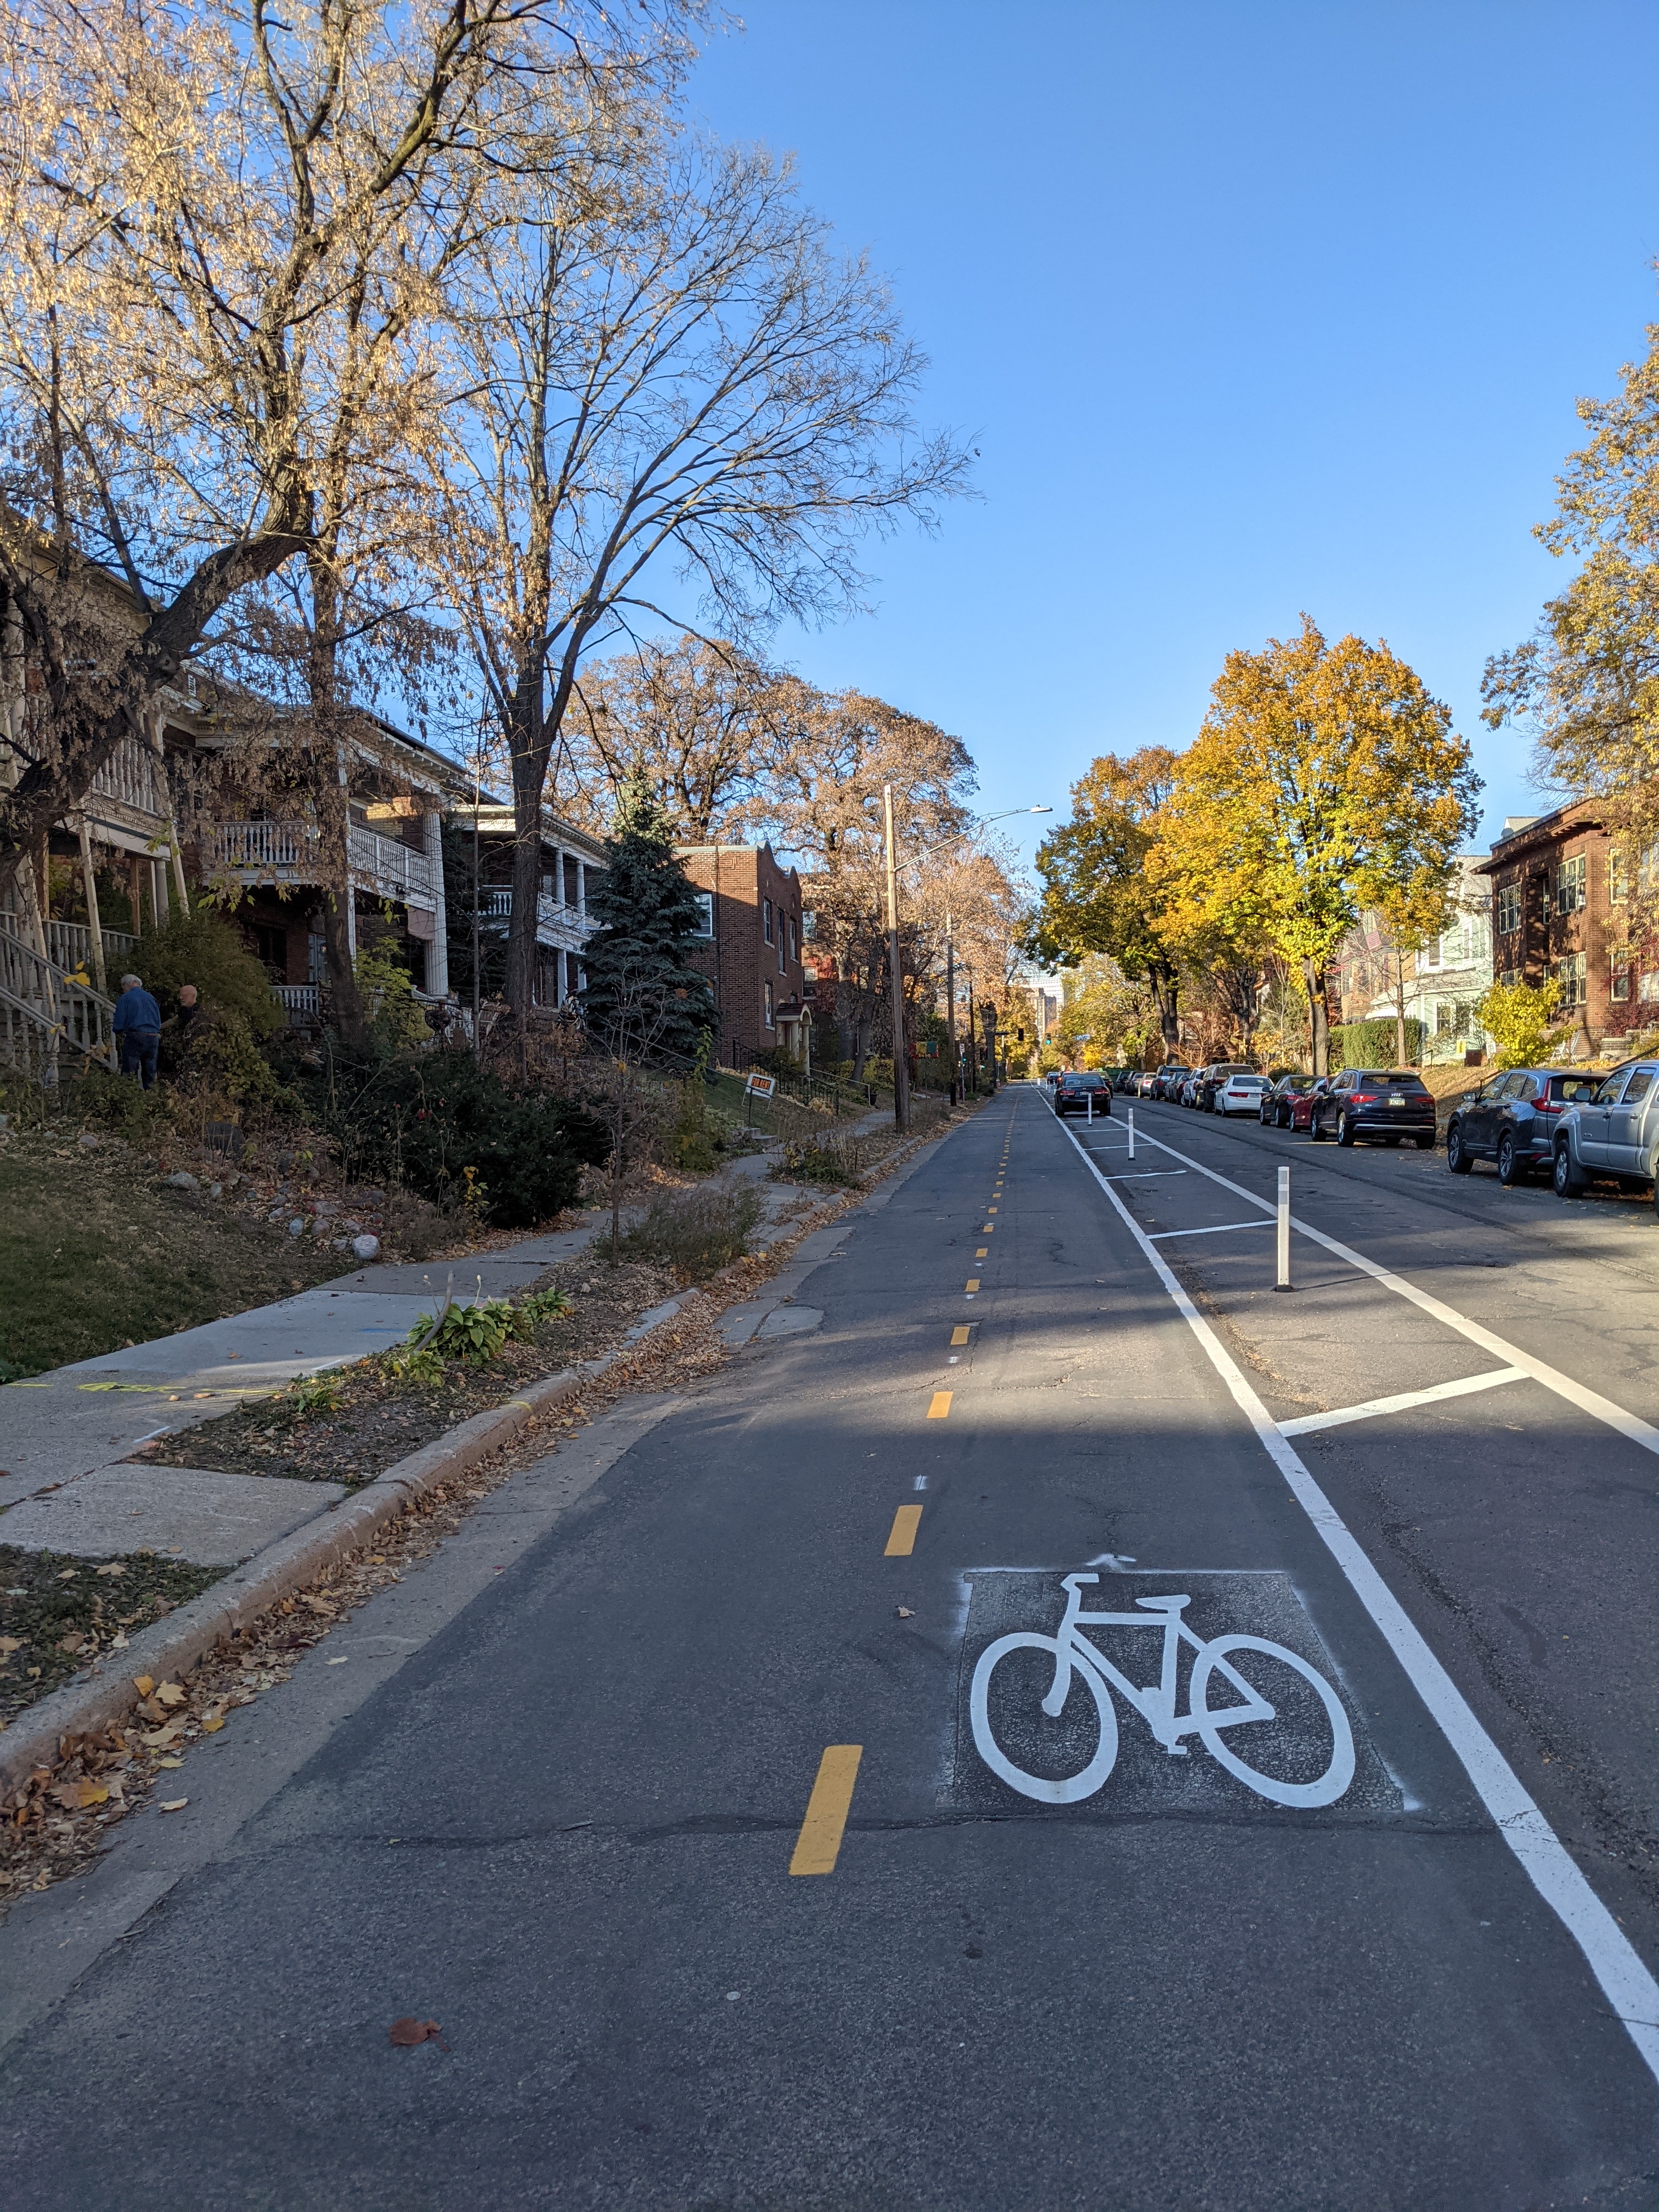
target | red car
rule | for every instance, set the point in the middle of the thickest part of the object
(1303, 1104)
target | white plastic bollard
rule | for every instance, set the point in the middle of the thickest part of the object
(1131, 1133)
(1089, 1105)
(1284, 1225)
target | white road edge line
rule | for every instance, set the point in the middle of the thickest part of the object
(1305, 1424)
(1576, 1394)
(1216, 1230)
(1628, 1986)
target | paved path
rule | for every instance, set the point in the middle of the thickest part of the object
(557, 1807)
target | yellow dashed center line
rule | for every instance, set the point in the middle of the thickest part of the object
(818, 1845)
(959, 1334)
(973, 1282)
(940, 1406)
(902, 1540)
(983, 1252)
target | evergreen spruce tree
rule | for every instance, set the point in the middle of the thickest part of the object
(643, 995)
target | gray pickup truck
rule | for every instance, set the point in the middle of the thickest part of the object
(1611, 1136)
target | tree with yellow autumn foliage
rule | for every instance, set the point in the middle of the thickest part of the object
(1325, 779)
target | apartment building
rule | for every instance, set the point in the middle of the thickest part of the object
(1557, 889)
(749, 948)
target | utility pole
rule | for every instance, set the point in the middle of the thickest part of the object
(951, 1007)
(900, 1072)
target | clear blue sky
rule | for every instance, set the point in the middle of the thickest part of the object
(1250, 306)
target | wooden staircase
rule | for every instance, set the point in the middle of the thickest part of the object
(43, 1009)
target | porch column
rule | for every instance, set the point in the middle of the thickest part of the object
(437, 958)
(94, 929)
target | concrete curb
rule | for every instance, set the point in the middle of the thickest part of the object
(172, 1646)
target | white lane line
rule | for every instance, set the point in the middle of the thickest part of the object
(1152, 1175)
(1216, 1230)
(1307, 1422)
(1628, 1986)
(1576, 1394)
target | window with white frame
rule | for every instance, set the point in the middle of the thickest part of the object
(1619, 964)
(794, 941)
(1429, 960)
(1508, 909)
(1618, 878)
(1570, 884)
(766, 921)
(1647, 987)
(769, 1008)
(1570, 974)
(705, 914)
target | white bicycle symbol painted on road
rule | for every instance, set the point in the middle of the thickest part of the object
(1073, 1651)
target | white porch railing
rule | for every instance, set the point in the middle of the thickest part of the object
(302, 1001)
(133, 777)
(70, 946)
(46, 1009)
(389, 867)
(264, 847)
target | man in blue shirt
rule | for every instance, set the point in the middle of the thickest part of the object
(138, 1029)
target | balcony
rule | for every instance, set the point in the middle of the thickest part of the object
(394, 869)
(263, 852)
(301, 1002)
(556, 924)
(132, 778)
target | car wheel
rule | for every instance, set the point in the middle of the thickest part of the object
(1566, 1180)
(1282, 1118)
(1391, 1141)
(1423, 1143)
(1457, 1158)
(1509, 1168)
(1345, 1132)
(1316, 1129)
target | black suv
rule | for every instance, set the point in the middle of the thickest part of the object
(1073, 1094)
(1373, 1102)
(1513, 1118)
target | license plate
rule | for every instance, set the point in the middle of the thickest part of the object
(1396, 1098)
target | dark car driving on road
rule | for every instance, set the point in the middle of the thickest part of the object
(1083, 1094)
(1391, 1103)
(1274, 1111)
(1512, 1118)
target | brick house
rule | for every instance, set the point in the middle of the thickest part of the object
(1558, 891)
(750, 948)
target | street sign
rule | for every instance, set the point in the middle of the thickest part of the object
(760, 1086)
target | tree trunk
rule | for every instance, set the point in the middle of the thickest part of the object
(1313, 974)
(1166, 996)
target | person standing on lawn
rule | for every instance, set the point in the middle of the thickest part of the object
(138, 1029)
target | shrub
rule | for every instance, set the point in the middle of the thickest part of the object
(1518, 1016)
(204, 949)
(1374, 1044)
(454, 1132)
(837, 1162)
(695, 1232)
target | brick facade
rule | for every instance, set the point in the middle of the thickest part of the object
(752, 951)
(1556, 910)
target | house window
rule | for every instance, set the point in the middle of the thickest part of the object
(809, 927)
(771, 1012)
(1508, 909)
(794, 942)
(1570, 884)
(1570, 974)
(1647, 987)
(1430, 957)
(766, 924)
(1618, 878)
(705, 914)
(1618, 989)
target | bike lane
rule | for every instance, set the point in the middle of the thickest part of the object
(564, 1829)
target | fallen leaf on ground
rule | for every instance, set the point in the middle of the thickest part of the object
(171, 1733)
(907, 1612)
(318, 1604)
(170, 1694)
(72, 1642)
(10, 1643)
(172, 1804)
(169, 1762)
(69, 1573)
(114, 1567)
(143, 1684)
(406, 2033)
(75, 1796)
(212, 1727)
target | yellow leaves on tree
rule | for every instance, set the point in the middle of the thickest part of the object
(1325, 779)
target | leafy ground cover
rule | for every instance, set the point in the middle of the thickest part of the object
(98, 1252)
(58, 1614)
(370, 1415)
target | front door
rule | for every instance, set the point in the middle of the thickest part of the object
(1593, 1117)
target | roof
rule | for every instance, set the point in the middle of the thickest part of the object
(496, 819)
(1542, 830)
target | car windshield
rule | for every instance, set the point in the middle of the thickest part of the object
(1572, 1086)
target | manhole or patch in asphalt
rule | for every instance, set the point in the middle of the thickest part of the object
(1196, 1692)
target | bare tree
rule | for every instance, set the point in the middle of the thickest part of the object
(671, 368)
(185, 195)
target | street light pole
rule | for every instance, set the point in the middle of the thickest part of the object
(951, 1006)
(901, 1071)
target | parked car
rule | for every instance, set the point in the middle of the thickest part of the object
(1240, 1093)
(1303, 1102)
(1086, 1094)
(1167, 1083)
(1186, 1091)
(1048, 1082)
(1613, 1135)
(1513, 1119)
(1370, 1101)
(1144, 1085)
(1274, 1111)
(1214, 1077)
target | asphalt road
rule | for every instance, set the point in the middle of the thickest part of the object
(1247, 1969)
